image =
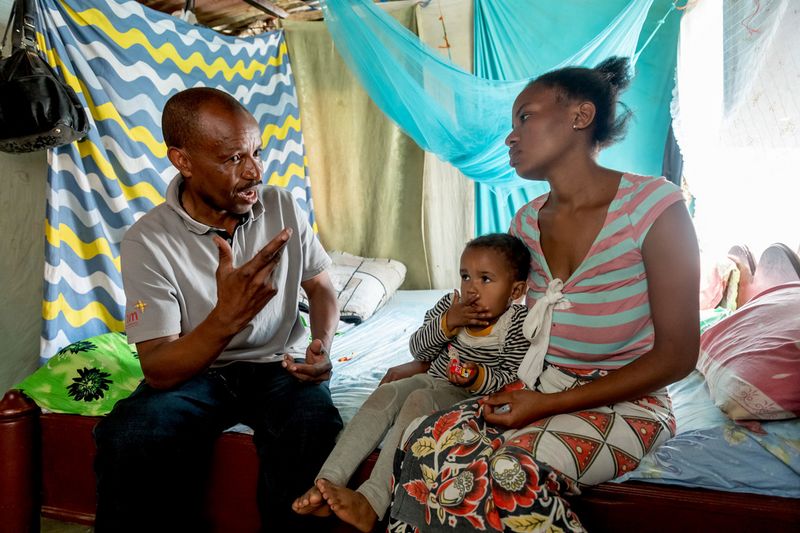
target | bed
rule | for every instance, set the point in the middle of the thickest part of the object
(714, 475)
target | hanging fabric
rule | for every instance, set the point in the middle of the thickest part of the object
(515, 38)
(367, 175)
(741, 155)
(124, 61)
(462, 118)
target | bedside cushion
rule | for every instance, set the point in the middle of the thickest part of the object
(87, 377)
(751, 359)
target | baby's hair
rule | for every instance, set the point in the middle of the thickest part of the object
(600, 85)
(181, 112)
(513, 250)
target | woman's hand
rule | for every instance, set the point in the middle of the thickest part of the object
(405, 370)
(525, 407)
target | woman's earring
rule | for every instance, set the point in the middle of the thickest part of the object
(575, 127)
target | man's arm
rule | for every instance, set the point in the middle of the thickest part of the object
(241, 293)
(324, 316)
(169, 361)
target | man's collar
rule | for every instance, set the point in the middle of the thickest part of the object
(173, 200)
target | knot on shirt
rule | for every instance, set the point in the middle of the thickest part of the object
(537, 328)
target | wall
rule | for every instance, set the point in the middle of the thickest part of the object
(22, 211)
(23, 182)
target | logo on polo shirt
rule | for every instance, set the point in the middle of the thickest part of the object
(133, 317)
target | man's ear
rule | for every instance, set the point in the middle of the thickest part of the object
(180, 160)
(518, 290)
(584, 115)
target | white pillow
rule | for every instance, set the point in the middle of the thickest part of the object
(363, 285)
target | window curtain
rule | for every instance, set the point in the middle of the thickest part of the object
(367, 174)
(448, 196)
(737, 121)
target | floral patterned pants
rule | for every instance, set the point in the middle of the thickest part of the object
(456, 472)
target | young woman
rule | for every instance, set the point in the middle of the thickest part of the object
(615, 277)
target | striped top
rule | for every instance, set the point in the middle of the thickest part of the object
(498, 352)
(608, 324)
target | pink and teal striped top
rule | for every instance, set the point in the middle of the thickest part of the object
(608, 324)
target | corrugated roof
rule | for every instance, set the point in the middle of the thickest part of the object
(239, 17)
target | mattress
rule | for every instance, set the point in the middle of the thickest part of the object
(709, 450)
(362, 354)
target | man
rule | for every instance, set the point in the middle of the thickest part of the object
(212, 279)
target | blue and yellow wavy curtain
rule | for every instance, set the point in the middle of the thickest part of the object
(124, 61)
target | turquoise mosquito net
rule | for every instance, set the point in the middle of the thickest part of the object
(464, 118)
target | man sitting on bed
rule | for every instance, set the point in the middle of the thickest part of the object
(212, 279)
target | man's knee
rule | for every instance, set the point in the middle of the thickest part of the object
(131, 426)
(315, 412)
(147, 418)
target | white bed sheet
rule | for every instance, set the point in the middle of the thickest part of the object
(710, 451)
(362, 354)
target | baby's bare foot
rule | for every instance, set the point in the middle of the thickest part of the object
(311, 503)
(350, 506)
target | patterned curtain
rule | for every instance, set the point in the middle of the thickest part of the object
(124, 61)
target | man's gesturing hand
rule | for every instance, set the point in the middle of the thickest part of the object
(243, 292)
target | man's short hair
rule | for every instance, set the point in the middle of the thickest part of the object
(179, 121)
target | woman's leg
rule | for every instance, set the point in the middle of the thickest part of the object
(595, 445)
(457, 471)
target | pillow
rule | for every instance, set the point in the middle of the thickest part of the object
(719, 279)
(87, 377)
(751, 359)
(362, 285)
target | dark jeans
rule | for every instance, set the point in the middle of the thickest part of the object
(154, 448)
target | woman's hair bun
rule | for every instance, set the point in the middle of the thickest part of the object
(616, 70)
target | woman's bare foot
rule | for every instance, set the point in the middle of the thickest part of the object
(350, 506)
(311, 503)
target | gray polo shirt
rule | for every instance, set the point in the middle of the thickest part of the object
(169, 263)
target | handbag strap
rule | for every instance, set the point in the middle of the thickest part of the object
(24, 25)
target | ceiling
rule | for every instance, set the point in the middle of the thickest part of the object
(241, 17)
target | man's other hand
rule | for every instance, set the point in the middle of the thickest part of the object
(317, 367)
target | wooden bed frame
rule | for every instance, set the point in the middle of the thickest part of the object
(59, 483)
(46, 470)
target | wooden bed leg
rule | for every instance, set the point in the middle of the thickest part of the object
(19, 463)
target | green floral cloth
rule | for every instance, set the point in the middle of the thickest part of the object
(87, 377)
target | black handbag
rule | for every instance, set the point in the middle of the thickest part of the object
(37, 110)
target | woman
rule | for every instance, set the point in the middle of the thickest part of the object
(614, 283)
